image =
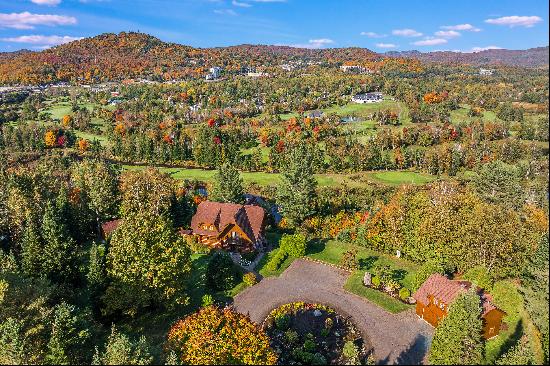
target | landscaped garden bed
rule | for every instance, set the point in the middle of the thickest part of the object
(315, 334)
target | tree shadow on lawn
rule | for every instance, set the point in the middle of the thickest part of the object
(367, 263)
(316, 246)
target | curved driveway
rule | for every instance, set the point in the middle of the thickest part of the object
(396, 338)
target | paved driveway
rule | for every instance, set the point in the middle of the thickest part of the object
(396, 338)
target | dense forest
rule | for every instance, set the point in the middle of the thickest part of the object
(449, 169)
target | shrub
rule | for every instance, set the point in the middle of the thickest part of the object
(350, 351)
(404, 293)
(480, 276)
(232, 339)
(293, 245)
(222, 273)
(349, 260)
(329, 323)
(282, 322)
(325, 332)
(250, 279)
(344, 236)
(196, 246)
(309, 345)
(276, 261)
(318, 359)
(376, 282)
(207, 300)
(392, 285)
(291, 336)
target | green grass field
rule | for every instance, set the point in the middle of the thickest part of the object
(360, 110)
(393, 178)
(332, 251)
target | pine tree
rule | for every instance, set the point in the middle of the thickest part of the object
(31, 250)
(58, 255)
(297, 193)
(228, 185)
(121, 350)
(69, 334)
(458, 337)
(520, 354)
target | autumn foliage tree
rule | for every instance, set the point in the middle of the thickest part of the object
(215, 336)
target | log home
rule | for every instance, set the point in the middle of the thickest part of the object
(229, 226)
(438, 292)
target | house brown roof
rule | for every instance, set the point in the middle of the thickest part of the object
(248, 217)
(446, 290)
(110, 226)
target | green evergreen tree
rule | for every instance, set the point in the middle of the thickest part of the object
(520, 353)
(13, 345)
(68, 336)
(297, 192)
(228, 185)
(458, 337)
(121, 350)
(58, 257)
(31, 250)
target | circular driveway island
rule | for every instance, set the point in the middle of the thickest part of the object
(396, 338)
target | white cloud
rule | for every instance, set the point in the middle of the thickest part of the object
(516, 21)
(406, 33)
(42, 40)
(373, 35)
(28, 20)
(447, 34)
(314, 43)
(479, 49)
(225, 12)
(386, 45)
(240, 5)
(46, 2)
(430, 42)
(461, 27)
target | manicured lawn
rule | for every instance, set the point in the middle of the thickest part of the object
(404, 271)
(332, 251)
(261, 178)
(359, 110)
(401, 177)
(461, 114)
(355, 285)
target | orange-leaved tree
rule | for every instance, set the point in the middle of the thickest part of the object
(214, 336)
(50, 139)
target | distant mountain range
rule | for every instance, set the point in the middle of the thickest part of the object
(128, 55)
(532, 57)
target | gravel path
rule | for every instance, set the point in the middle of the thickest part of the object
(396, 338)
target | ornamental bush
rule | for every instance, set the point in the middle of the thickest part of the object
(214, 336)
(276, 261)
(293, 245)
(404, 293)
(221, 274)
(376, 282)
(250, 279)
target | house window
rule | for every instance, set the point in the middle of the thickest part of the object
(211, 227)
(234, 235)
(491, 330)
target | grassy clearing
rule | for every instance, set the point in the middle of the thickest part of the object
(461, 114)
(261, 178)
(359, 110)
(393, 178)
(355, 286)
(332, 251)
(401, 177)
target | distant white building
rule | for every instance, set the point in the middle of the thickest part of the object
(355, 69)
(374, 97)
(256, 74)
(486, 72)
(214, 73)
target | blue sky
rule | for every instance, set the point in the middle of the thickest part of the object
(379, 25)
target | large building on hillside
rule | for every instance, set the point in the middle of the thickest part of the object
(373, 97)
(435, 296)
(233, 227)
